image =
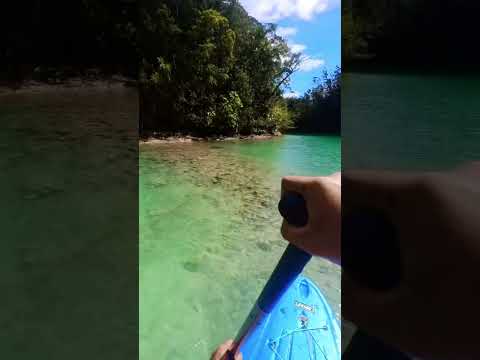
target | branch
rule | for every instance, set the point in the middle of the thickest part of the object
(290, 73)
(295, 65)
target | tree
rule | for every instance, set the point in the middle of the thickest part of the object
(319, 110)
(211, 68)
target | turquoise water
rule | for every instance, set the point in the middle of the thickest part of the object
(209, 236)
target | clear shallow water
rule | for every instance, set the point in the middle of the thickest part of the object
(209, 236)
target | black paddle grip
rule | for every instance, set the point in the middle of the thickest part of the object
(293, 208)
(370, 253)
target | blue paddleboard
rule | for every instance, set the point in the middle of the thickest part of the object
(301, 326)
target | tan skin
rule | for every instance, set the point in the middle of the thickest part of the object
(321, 236)
(221, 352)
(435, 312)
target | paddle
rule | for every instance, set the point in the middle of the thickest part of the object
(293, 208)
(369, 229)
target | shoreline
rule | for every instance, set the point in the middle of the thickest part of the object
(182, 139)
(7, 88)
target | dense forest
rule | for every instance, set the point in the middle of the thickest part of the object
(203, 67)
(410, 34)
(214, 70)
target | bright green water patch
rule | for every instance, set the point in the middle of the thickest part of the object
(209, 236)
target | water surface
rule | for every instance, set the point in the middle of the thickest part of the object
(69, 221)
(209, 236)
(410, 122)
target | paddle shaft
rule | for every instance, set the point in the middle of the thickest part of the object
(293, 208)
(291, 265)
(371, 231)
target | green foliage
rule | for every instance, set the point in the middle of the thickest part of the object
(319, 110)
(229, 113)
(161, 73)
(204, 66)
(220, 70)
(212, 44)
(280, 117)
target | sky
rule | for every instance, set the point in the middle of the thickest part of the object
(311, 27)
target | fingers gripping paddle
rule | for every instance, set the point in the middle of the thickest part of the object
(369, 244)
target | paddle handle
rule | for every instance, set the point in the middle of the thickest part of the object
(293, 208)
(368, 243)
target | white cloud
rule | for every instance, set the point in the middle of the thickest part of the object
(309, 64)
(308, 8)
(274, 10)
(297, 48)
(286, 31)
(291, 95)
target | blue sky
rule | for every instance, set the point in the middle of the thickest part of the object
(311, 27)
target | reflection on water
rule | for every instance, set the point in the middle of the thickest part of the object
(209, 236)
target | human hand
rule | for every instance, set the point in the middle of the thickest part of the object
(222, 350)
(433, 312)
(321, 236)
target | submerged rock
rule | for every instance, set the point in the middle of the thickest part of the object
(191, 266)
(264, 246)
(216, 179)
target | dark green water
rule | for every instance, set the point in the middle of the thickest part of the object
(409, 122)
(209, 236)
(69, 223)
